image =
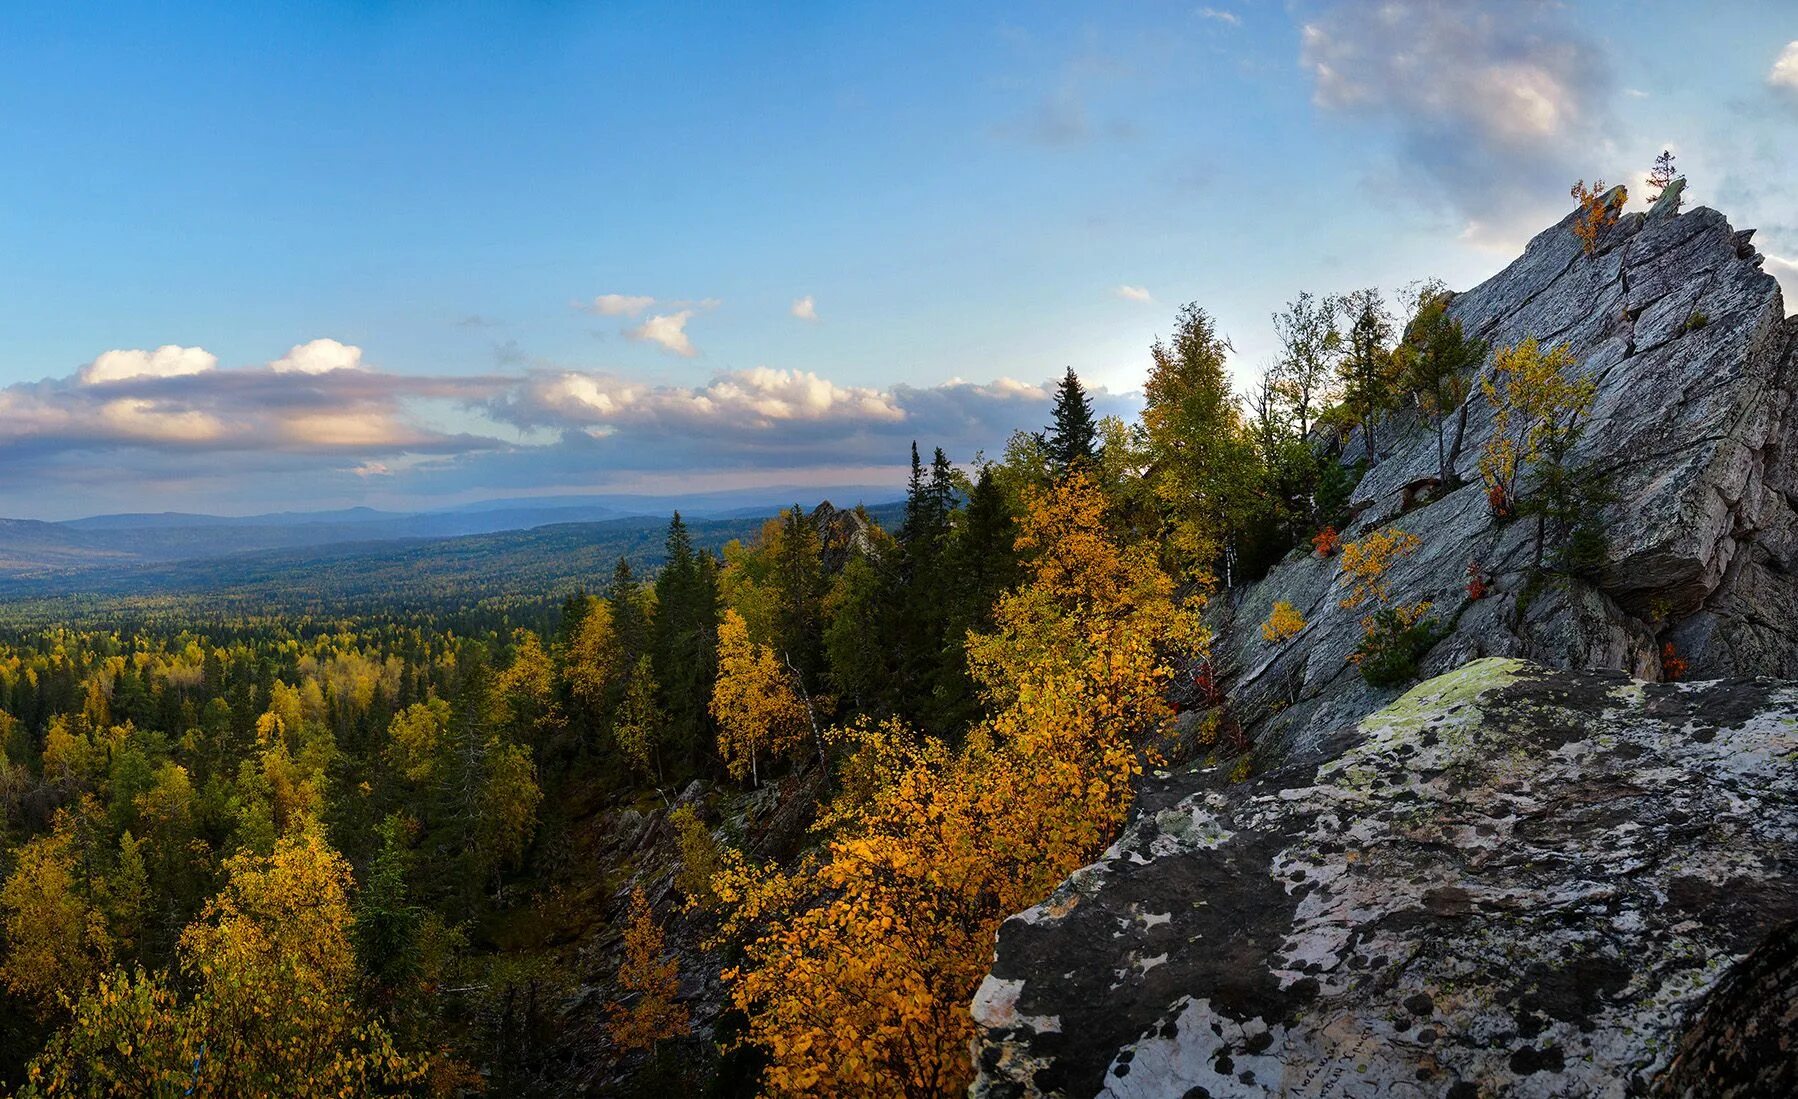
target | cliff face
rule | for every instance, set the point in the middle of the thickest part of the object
(1695, 365)
(1534, 875)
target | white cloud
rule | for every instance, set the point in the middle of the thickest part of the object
(1134, 293)
(760, 396)
(669, 330)
(168, 361)
(1785, 70)
(319, 357)
(619, 305)
(805, 309)
(1495, 107)
(1227, 17)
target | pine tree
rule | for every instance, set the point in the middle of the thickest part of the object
(1661, 176)
(799, 586)
(1071, 437)
(629, 623)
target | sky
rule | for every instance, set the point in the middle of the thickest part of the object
(265, 257)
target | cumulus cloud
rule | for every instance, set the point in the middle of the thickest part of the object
(318, 357)
(1784, 74)
(1496, 106)
(667, 329)
(619, 305)
(167, 361)
(1133, 293)
(805, 309)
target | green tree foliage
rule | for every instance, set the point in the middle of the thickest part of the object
(1071, 439)
(1204, 470)
(1436, 363)
(684, 646)
(1304, 378)
(1370, 382)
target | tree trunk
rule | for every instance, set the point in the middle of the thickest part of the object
(811, 712)
(1441, 454)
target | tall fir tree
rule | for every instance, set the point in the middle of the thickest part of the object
(685, 638)
(629, 623)
(1074, 433)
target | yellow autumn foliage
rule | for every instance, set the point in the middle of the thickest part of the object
(1366, 561)
(272, 1011)
(1283, 622)
(651, 981)
(859, 962)
(759, 714)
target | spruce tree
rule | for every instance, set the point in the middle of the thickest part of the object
(1074, 432)
(629, 624)
(685, 637)
(799, 595)
(980, 564)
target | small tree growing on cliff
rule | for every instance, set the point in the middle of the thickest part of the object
(1539, 411)
(1661, 176)
(1369, 380)
(1436, 362)
(653, 979)
(1396, 635)
(1598, 211)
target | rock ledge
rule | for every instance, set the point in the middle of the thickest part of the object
(1511, 881)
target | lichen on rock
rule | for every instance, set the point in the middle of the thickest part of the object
(1514, 880)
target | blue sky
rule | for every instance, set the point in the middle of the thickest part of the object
(272, 256)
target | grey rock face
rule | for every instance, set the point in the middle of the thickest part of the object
(1695, 365)
(1512, 881)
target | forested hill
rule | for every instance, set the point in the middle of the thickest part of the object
(542, 564)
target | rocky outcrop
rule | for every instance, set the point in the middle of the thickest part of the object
(1512, 881)
(1695, 365)
(1545, 872)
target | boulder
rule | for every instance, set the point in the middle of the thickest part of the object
(1513, 880)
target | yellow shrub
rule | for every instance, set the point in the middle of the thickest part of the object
(1282, 623)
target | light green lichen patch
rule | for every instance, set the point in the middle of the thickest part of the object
(1432, 700)
(1448, 707)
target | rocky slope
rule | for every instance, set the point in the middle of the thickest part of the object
(1537, 875)
(1695, 363)
(1514, 881)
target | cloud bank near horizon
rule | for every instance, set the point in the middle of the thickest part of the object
(319, 426)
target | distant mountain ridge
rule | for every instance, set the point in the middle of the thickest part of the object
(542, 563)
(77, 551)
